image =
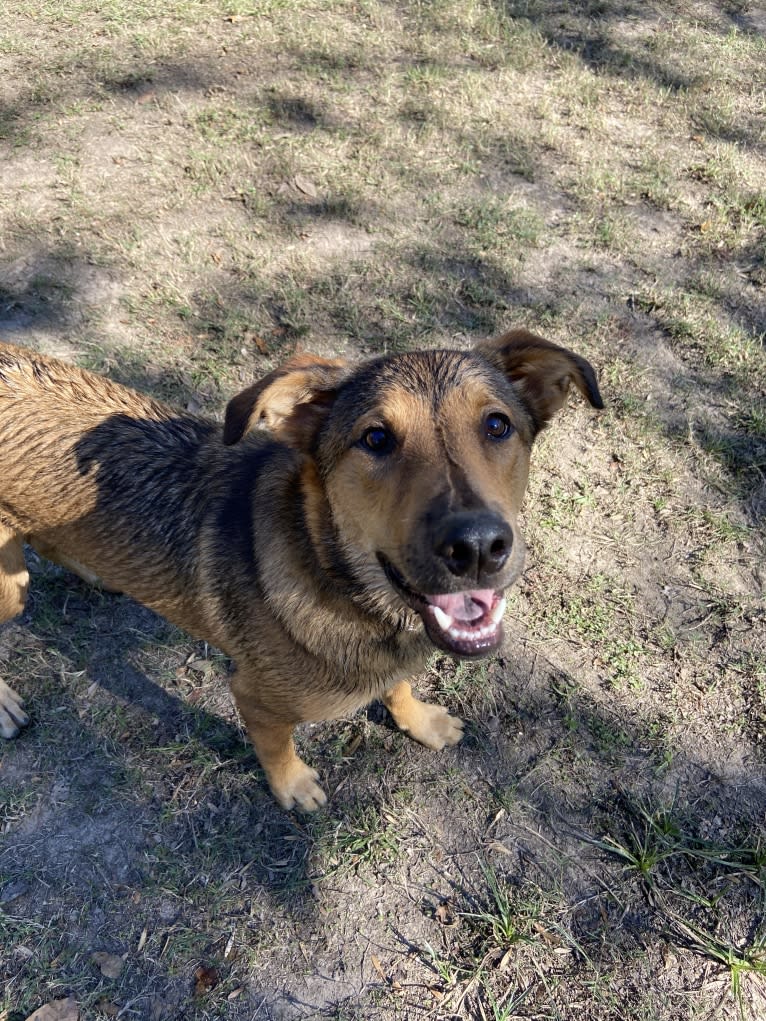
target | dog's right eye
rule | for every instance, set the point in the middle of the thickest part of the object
(378, 440)
(497, 426)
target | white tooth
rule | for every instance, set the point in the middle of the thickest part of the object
(497, 613)
(442, 619)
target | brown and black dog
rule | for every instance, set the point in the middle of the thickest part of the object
(347, 520)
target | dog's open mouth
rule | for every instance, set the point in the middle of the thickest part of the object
(468, 623)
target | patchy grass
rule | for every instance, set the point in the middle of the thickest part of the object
(194, 192)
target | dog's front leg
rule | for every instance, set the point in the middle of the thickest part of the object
(431, 725)
(293, 783)
(14, 581)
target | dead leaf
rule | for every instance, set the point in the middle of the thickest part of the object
(57, 1010)
(352, 746)
(378, 967)
(445, 915)
(110, 965)
(548, 936)
(306, 186)
(495, 845)
(498, 816)
(201, 666)
(507, 957)
(261, 344)
(205, 979)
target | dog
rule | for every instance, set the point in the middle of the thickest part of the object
(347, 520)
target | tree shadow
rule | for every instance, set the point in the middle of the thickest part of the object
(139, 80)
(41, 287)
(587, 30)
(727, 424)
(295, 112)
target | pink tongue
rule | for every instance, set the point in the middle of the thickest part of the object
(464, 606)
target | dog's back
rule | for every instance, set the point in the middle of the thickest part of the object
(100, 477)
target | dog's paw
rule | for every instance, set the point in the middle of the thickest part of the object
(12, 716)
(433, 726)
(297, 787)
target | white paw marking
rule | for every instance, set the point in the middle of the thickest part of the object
(12, 716)
(299, 788)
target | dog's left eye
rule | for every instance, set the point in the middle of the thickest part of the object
(497, 426)
(378, 440)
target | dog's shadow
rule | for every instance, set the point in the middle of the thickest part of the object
(102, 634)
(144, 765)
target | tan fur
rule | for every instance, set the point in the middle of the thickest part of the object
(269, 538)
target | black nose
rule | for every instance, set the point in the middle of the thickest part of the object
(474, 545)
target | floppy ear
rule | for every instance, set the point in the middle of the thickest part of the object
(542, 372)
(291, 402)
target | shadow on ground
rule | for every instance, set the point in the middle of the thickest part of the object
(587, 29)
(139, 791)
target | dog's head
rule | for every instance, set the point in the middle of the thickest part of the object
(416, 465)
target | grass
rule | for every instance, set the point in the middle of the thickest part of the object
(368, 839)
(694, 885)
(192, 194)
(602, 620)
(504, 920)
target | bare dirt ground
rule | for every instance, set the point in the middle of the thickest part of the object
(191, 191)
